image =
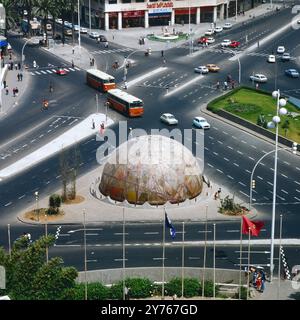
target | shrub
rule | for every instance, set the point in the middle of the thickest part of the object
(96, 291)
(139, 288)
(243, 293)
(209, 289)
(192, 287)
(54, 204)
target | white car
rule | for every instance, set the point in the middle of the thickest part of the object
(258, 78)
(201, 69)
(94, 35)
(281, 49)
(83, 30)
(218, 29)
(225, 43)
(227, 25)
(58, 21)
(271, 58)
(201, 123)
(210, 40)
(209, 32)
(76, 27)
(168, 118)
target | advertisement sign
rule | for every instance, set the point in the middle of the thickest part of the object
(157, 5)
(160, 10)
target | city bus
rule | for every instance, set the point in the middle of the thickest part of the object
(100, 80)
(125, 103)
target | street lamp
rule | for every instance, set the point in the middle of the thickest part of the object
(79, 35)
(239, 62)
(22, 55)
(280, 110)
(37, 204)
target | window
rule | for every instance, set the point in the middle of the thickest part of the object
(139, 0)
(112, 1)
(126, 1)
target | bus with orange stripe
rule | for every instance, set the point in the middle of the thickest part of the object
(125, 103)
(100, 80)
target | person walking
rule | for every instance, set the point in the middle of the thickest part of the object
(7, 91)
(164, 62)
(225, 85)
(4, 84)
(21, 76)
(16, 91)
(18, 76)
(218, 85)
(93, 124)
(162, 53)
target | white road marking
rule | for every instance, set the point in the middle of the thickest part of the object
(224, 132)
(230, 147)
(259, 177)
(220, 142)
(215, 153)
(32, 140)
(284, 191)
(241, 183)
(226, 159)
(210, 165)
(21, 197)
(49, 71)
(194, 258)
(298, 183)
(253, 146)
(37, 72)
(43, 72)
(236, 164)
(120, 233)
(243, 141)
(230, 177)
(248, 171)
(144, 76)
(284, 175)
(154, 232)
(251, 158)
(270, 183)
(286, 163)
(232, 231)
(243, 193)
(186, 84)
(220, 171)
(281, 198)
(77, 68)
(297, 198)
(297, 190)
(8, 204)
(239, 152)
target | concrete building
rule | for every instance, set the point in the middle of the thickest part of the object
(119, 14)
(2, 20)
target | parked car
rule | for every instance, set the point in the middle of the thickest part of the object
(210, 40)
(209, 32)
(202, 40)
(94, 35)
(271, 58)
(227, 25)
(168, 118)
(83, 30)
(61, 72)
(201, 69)
(225, 43)
(286, 57)
(218, 29)
(212, 67)
(201, 123)
(234, 44)
(293, 73)
(102, 38)
(58, 21)
(258, 77)
(57, 36)
(281, 49)
(76, 27)
(68, 32)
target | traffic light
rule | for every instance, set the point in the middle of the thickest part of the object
(294, 147)
(253, 184)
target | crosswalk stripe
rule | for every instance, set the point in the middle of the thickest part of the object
(76, 68)
(42, 71)
(49, 71)
(71, 69)
(32, 73)
(37, 72)
(53, 70)
(66, 69)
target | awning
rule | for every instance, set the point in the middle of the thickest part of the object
(3, 42)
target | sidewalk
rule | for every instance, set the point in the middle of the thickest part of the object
(98, 208)
(130, 37)
(81, 57)
(8, 100)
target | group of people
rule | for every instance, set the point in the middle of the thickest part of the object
(92, 62)
(20, 76)
(258, 278)
(15, 91)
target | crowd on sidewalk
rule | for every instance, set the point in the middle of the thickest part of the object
(258, 278)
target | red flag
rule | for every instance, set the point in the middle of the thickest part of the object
(253, 226)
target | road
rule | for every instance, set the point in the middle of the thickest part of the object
(230, 154)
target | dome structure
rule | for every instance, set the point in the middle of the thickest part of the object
(153, 169)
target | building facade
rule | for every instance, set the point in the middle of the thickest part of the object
(2, 20)
(119, 14)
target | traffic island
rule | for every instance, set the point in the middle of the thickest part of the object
(254, 109)
(41, 215)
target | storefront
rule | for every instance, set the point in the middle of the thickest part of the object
(113, 20)
(133, 19)
(206, 14)
(160, 13)
(182, 16)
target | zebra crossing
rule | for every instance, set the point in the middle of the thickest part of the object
(40, 72)
(111, 51)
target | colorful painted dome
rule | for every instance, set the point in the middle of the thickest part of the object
(153, 169)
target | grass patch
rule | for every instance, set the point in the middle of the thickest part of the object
(250, 104)
(180, 37)
(40, 215)
(77, 200)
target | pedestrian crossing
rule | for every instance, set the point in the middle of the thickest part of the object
(111, 51)
(40, 72)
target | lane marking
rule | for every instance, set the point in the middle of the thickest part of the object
(241, 183)
(230, 177)
(237, 165)
(197, 78)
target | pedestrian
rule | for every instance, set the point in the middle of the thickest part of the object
(216, 195)
(21, 76)
(232, 84)
(18, 76)
(10, 56)
(219, 193)
(16, 66)
(218, 85)
(19, 66)
(162, 53)
(73, 50)
(256, 86)
(72, 63)
(93, 124)
(164, 62)
(4, 84)
(125, 85)
(225, 85)
(258, 281)
(16, 91)
(93, 61)
(106, 44)
(11, 66)
(34, 63)
(90, 62)
(7, 91)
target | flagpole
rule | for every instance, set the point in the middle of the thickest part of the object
(248, 277)
(204, 254)
(163, 257)
(123, 253)
(182, 264)
(241, 255)
(214, 291)
(279, 257)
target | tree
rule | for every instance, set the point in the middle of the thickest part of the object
(29, 277)
(27, 5)
(286, 126)
(54, 204)
(10, 13)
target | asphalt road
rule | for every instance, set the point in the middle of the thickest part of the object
(230, 154)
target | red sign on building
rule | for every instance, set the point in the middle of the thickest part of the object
(157, 5)
(133, 14)
(186, 11)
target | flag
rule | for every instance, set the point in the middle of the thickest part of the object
(254, 226)
(170, 226)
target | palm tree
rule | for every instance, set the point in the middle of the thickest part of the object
(10, 13)
(27, 5)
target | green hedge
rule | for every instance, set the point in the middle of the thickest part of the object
(96, 291)
(139, 288)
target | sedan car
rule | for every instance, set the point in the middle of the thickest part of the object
(102, 38)
(68, 32)
(201, 123)
(271, 58)
(286, 57)
(234, 44)
(293, 73)
(218, 29)
(212, 67)
(94, 35)
(281, 49)
(76, 27)
(210, 40)
(83, 30)
(225, 43)
(201, 69)
(209, 32)
(202, 40)
(227, 25)
(168, 118)
(61, 72)
(257, 77)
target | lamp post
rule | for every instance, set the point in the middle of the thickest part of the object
(280, 110)
(239, 62)
(37, 204)
(22, 54)
(79, 36)
(90, 17)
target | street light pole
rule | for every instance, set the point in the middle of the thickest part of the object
(79, 36)
(37, 204)
(90, 17)
(85, 262)
(22, 53)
